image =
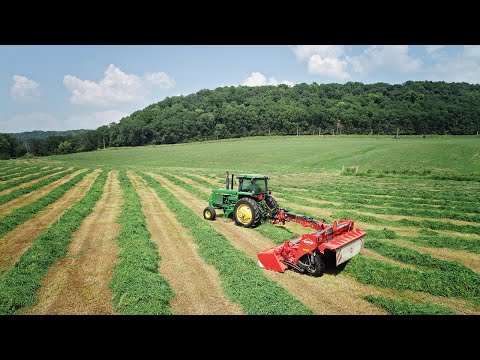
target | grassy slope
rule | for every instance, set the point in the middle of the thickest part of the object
(298, 154)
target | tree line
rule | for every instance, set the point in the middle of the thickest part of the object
(415, 107)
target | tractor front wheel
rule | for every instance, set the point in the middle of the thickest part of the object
(313, 264)
(209, 213)
(246, 212)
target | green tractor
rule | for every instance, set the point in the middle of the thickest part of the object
(249, 204)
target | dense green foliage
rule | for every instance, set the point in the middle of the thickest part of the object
(11, 147)
(242, 280)
(20, 215)
(397, 307)
(415, 107)
(19, 285)
(420, 107)
(137, 285)
(42, 135)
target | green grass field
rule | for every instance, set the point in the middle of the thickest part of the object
(438, 155)
(417, 198)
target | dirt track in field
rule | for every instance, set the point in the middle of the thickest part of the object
(197, 285)
(28, 198)
(9, 190)
(13, 244)
(330, 294)
(79, 282)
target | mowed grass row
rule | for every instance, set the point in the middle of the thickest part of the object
(468, 205)
(25, 190)
(13, 183)
(436, 282)
(384, 210)
(20, 215)
(430, 238)
(456, 279)
(427, 224)
(394, 190)
(398, 307)
(18, 172)
(242, 279)
(137, 285)
(18, 286)
(279, 234)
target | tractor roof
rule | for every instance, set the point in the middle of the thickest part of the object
(251, 176)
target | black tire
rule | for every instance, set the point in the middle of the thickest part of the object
(252, 204)
(271, 202)
(209, 213)
(315, 268)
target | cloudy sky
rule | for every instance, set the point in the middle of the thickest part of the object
(72, 87)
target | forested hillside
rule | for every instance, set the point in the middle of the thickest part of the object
(416, 107)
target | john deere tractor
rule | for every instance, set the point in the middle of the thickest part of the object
(249, 204)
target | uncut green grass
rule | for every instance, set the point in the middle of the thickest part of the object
(22, 214)
(138, 287)
(453, 154)
(242, 279)
(397, 307)
(19, 285)
(25, 190)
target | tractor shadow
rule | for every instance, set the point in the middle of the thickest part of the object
(331, 269)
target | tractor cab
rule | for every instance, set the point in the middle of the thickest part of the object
(255, 184)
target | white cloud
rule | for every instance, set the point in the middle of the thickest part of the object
(116, 87)
(24, 88)
(329, 66)
(394, 57)
(463, 67)
(304, 52)
(29, 122)
(94, 120)
(325, 60)
(258, 79)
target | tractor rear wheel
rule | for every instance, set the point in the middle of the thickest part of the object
(314, 265)
(209, 213)
(246, 212)
(271, 202)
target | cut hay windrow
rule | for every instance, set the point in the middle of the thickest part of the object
(200, 181)
(435, 282)
(426, 261)
(25, 190)
(410, 211)
(428, 224)
(430, 238)
(137, 285)
(19, 285)
(398, 307)
(242, 279)
(13, 183)
(20, 215)
(19, 172)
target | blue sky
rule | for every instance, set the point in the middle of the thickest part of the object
(71, 87)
